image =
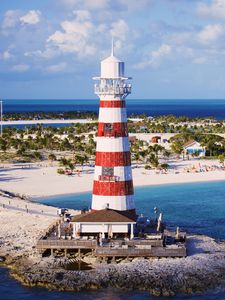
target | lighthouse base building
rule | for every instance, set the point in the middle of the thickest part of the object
(107, 223)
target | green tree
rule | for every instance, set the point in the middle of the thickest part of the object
(221, 158)
(51, 157)
(177, 148)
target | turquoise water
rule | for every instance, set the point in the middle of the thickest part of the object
(198, 207)
(195, 207)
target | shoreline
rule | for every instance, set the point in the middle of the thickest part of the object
(37, 198)
(41, 180)
(46, 121)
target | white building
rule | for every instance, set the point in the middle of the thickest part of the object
(106, 222)
(193, 147)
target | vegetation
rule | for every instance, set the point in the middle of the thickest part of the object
(75, 144)
(214, 144)
(173, 124)
(37, 143)
(39, 115)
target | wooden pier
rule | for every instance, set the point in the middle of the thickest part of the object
(137, 252)
(115, 248)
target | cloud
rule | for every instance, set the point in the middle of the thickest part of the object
(48, 53)
(179, 38)
(57, 67)
(11, 19)
(86, 4)
(75, 35)
(105, 5)
(82, 15)
(32, 17)
(21, 68)
(156, 57)
(216, 9)
(6, 55)
(199, 60)
(119, 29)
(211, 33)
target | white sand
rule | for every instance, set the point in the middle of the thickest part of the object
(20, 230)
(57, 121)
(44, 181)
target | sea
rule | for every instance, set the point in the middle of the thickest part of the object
(194, 207)
(149, 107)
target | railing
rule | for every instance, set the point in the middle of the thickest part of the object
(113, 90)
(108, 178)
(66, 244)
(122, 252)
(142, 250)
(169, 252)
(154, 243)
(135, 252)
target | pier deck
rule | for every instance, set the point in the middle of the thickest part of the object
(131, 248)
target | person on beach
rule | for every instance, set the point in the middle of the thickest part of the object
(100, 240)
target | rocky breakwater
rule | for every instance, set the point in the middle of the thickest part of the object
(202, 270)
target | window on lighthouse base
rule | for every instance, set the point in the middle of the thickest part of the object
(107, 171)
(108, 129)
(108, 175)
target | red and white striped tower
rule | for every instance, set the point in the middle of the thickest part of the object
(113, 184)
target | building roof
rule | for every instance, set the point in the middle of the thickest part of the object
(106, 216)
(111, 59)
(190, 143)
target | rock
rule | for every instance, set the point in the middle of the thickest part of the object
(2, 259)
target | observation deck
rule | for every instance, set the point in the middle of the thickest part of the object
(117, 90)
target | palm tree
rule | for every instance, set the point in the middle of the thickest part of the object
(63, 162)
(4, 145)
(177, 148)
(51, 157)
(221, 158)
(153, 160)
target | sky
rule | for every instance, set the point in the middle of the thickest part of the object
(173, 49)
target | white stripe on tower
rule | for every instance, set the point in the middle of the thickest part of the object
(105, 144)
(115, 202)
(112, 115)
(120, 173)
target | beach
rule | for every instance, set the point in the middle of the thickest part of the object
(46, 121)
(20, 230)
(42, 180)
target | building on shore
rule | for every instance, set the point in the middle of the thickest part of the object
(194, 148)
(113, 210)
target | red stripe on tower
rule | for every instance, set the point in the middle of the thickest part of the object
(110, 188)
(116, 104)
(112, 129)
(112, 159)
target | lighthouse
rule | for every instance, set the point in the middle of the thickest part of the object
(112, 212)
(113, 183)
